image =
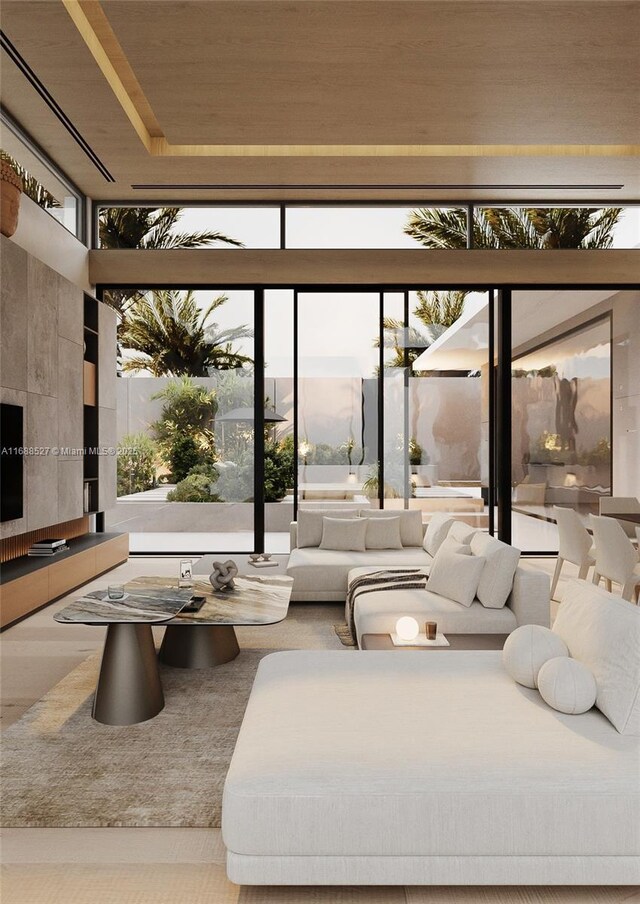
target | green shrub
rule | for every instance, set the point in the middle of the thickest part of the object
(194, 488)
(184, 456)
(188, 411)
(278, 469)
(136, 463)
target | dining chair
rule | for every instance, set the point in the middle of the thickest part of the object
(621, 505)
(616, 557)
(575, 544)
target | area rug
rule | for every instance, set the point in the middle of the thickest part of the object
(63, 769)
(343, 633)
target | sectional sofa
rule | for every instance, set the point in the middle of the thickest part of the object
(322, 574)
(397, 768)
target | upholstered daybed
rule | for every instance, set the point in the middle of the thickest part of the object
(390, 768)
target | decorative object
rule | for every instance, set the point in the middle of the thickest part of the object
(431, 630)
(567, 685)
(222, 576)
(11, 185)
(527, 649)
(115, 591)
(186, 573)
(407, 628)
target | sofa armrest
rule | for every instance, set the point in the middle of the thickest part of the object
(293, 535)
(530, 596)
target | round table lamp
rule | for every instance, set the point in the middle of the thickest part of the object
(407, 628)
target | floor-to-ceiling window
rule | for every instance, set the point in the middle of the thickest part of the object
(561, 411)
(185, 412)
(337, 399)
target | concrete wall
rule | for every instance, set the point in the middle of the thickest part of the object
(41, 320)
(41, 369)
(44, 238)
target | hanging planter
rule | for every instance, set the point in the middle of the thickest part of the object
(11, 185)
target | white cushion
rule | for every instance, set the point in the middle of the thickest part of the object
(603, 631)
(462, 532)
(567, 685)
(450, 544)
(526, 651)
(410, 523)
(309, 532)
(437, 530)
(383, 533)
(423, 754)
(496, 581)
(456, 576)
(345, 534)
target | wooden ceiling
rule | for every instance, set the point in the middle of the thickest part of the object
(295, 99)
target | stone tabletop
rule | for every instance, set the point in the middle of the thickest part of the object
(258, 599)
(144, 603)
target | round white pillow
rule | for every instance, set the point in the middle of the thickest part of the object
(567, 685)
(527, 649)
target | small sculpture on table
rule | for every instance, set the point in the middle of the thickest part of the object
(222, 576)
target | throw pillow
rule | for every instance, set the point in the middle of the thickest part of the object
(410, 524)
(346, 534)
(496, 582)
(382, 533)
(437, 530)
(455, 576)
(527, 649)
(567, 685)
(461, 532)
(310, 525)
(603, 632)
(451, 545)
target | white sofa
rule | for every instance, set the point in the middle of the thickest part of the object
(396, 768)
(528, 604)
(324, 574)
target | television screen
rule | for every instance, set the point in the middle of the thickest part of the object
(11, 461)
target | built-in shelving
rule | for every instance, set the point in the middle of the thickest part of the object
(28, 583)
(91, 403)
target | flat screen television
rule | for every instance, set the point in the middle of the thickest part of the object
(11, 462)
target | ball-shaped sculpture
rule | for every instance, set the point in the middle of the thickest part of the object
(222, 576)
(527, 649)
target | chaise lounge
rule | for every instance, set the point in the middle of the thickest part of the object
(408, 769)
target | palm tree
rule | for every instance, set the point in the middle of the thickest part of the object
(174, 336)
(514, 227)
(148, 228)
(436, 311)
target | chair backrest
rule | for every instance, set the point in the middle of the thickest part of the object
(621, 505)
(574, 539)
(615, 556)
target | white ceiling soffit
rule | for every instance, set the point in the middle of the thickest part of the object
(464, 346)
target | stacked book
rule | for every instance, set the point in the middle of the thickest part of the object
(48, 547)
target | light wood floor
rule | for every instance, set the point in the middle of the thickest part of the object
(169, 866)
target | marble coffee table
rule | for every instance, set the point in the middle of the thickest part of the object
(129, 688)
(197, 640)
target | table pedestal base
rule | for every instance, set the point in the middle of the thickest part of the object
(129, 688)
(198, 646)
